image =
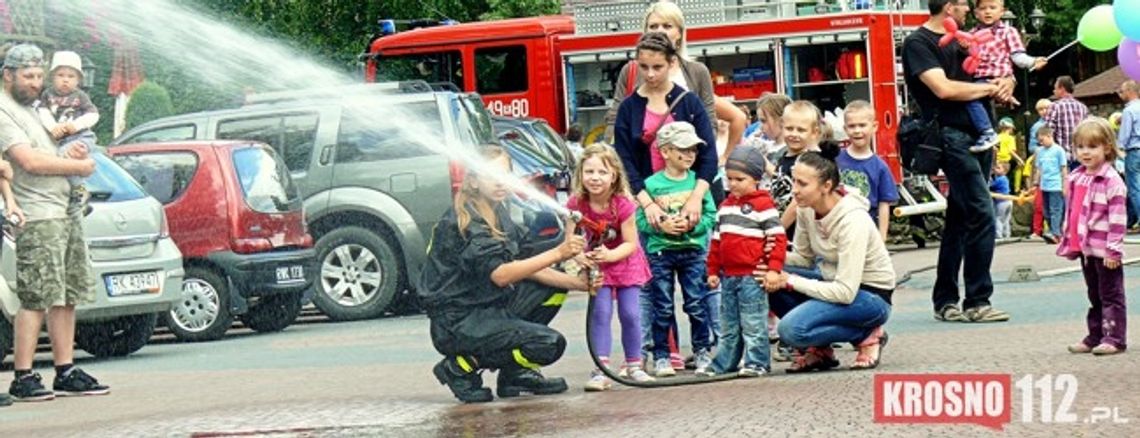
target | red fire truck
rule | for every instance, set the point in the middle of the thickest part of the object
(562, 68)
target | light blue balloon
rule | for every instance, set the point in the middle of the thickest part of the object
(1126, 13)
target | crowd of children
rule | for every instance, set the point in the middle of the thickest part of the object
(720, 251)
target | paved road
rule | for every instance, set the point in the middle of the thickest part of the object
(372, 378)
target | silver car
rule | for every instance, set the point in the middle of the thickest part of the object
(137, 268)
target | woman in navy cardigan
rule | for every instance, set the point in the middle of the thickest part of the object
(656, 55)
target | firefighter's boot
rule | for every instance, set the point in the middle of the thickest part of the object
(466, 385)
(514, 382)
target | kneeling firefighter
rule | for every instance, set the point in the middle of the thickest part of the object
(490, 292)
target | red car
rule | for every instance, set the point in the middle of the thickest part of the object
(238, 219)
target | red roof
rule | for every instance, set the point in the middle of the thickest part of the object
(477, 31)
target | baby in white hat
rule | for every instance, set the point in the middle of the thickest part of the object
(67, 112)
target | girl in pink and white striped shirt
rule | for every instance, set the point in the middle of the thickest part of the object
(1094, 233)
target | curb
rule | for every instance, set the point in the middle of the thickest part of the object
(897, 249)
(1072, 269)
(906, 276)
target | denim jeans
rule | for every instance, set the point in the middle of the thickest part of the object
(744, 325)
(1003, 210)
(808, 322)
(686, 267)
(968, 237)
(979, 117)
(1054, 206)
(648, 315)
(1132, 178)
(713, 305)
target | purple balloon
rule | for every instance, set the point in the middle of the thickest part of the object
(1128, 54)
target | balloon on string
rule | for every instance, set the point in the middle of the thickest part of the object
(1128, 54)
(1097, 29)
(1127, 23)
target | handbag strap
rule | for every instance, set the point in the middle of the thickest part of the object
(669, 111)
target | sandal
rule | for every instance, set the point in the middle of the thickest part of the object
(814, 359)
(864, 361)
(950, 313)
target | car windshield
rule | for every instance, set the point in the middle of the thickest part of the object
(474, 119)
(551, 140)
(265, 181)
(111, 183)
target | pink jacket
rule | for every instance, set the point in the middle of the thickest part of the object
(1102, 217)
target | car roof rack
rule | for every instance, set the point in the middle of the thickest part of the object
(401, 87)
(445, 86)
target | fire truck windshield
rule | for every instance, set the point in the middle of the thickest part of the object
(431, 67)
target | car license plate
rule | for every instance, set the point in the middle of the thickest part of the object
(290, 274)
(133, 284)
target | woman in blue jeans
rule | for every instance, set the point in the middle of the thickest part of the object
(846, 296)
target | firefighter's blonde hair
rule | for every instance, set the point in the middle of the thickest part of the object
(610, 159)
(670, 12)
(469, 196)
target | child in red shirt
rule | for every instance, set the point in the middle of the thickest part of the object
(746, 222)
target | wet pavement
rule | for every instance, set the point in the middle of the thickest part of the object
(372, 378)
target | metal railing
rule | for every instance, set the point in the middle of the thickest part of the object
(598, 17)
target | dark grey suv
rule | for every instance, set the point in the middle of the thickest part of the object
(371, 194)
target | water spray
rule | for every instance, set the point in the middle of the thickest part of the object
(224, 56)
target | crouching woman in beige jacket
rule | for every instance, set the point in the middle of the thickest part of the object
(837, 282)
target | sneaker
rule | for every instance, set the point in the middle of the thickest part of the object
(782, 353)
(29, 388)
(5, 400)
(663, 368)
(677, 362)
(985, 314)
(703, 361)
(1106, 349)
(639, 375)
(950, 313)
(598, 382)
(752, 371)
(1080, 348)
(1050, 239)
(986, 142)
(77, 382)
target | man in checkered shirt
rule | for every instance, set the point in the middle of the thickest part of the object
(1064, 115)
(995, 60)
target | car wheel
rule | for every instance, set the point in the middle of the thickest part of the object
(6, 337)
(203, 311)
(273, 313)
(359, 274)
(118, 337)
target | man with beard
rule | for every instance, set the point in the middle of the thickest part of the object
(53, 270)
(935, 77)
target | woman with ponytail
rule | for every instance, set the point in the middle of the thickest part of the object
(489, 302)
(846, 298)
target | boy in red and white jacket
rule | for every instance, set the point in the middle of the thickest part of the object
(746, 222)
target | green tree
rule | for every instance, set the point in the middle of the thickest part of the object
(150, 101)
(501, 9)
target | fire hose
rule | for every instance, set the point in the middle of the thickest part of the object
(599, 233)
